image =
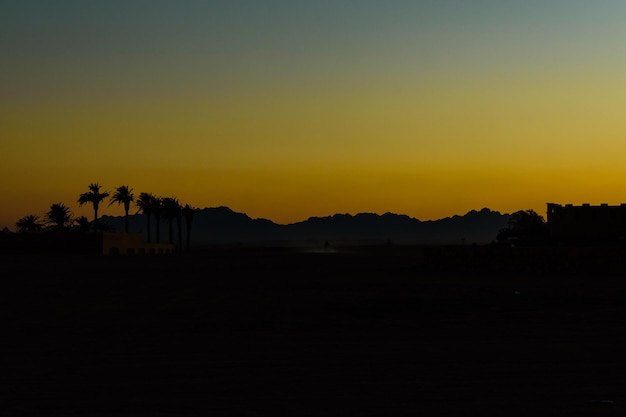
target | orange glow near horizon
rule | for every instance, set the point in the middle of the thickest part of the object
(289, 122)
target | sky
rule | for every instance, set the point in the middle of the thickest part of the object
(288, 109)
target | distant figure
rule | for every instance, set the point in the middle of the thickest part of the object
(326, 245)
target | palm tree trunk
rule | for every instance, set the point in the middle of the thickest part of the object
(158, 228)
(148, 228)
(95, 219)
(126, 222)
(180, 235)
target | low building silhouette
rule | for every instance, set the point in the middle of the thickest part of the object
(587, 223)
(132, 244)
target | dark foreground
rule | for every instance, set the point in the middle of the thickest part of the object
(285, 333)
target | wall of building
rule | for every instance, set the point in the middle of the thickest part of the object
(132, 244)
(586, 222)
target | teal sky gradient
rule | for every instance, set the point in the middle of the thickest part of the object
(84, 47)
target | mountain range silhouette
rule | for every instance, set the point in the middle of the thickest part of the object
(221, 225)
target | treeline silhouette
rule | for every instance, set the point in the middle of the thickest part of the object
(59, 217)
(524, 227)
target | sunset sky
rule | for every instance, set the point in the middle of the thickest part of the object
(287, 109)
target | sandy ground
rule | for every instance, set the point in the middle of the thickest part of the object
(285, 333)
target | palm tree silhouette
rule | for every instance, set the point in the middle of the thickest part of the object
(145, 205)
(171, 210)
(157, 210)
(123, 195)
(179, 218)
(29, 223)
(95, 197)
(82, 223)
(188, 213)
(59, 215)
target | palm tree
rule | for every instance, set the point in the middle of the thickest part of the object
(82, 223)
(29, 223)
(188, 213)
(123, 195)
(145, 203)
(178, 217)
(157, 210)
(171, 210)
(59, 215)
(95, 197)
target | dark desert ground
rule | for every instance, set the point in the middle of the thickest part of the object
(364, 331)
